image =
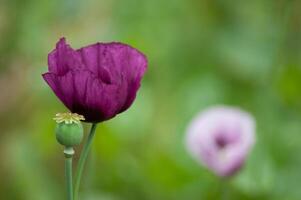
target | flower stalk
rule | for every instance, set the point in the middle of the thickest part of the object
(69, 152)
(82, 160)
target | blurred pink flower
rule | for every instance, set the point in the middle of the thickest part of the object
(220, 138)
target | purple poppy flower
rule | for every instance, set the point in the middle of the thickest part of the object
(98, 81)
(220, 138)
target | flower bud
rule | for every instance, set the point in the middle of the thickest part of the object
(69, 130)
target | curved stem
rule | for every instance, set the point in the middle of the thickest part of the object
(82, 161)
(68, 171)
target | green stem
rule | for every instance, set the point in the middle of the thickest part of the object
(68, 171)
(224, 189)
(82, 161)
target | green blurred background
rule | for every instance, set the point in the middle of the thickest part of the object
(201, 53)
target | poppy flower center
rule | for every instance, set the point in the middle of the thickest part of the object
(221, 142)
(224, 138)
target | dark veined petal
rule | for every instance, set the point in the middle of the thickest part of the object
(95, 60)
(131, 93)
(63, 58)
(96, 100)
(86, 95)
(103, 99)
(134, 66)
(62, 86)
(116, 63)
(111, 61)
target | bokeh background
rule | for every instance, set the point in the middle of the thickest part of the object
(201, 53)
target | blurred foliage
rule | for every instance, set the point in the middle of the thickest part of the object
(201, 53)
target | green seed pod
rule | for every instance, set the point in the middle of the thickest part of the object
(69, 130)
(69, 134)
